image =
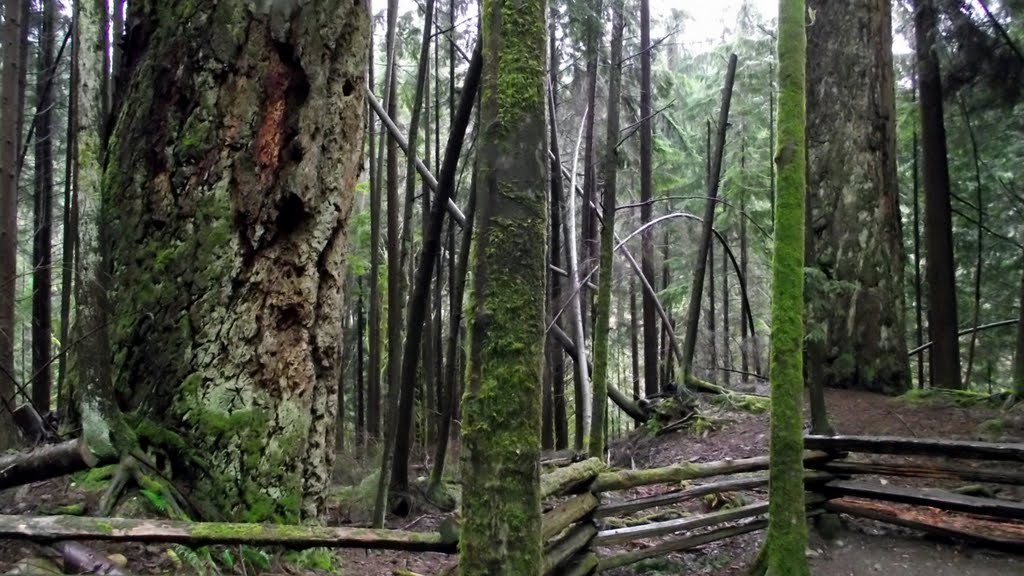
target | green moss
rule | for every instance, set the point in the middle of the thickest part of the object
(314, 559)
(105, 527)
(786, 542)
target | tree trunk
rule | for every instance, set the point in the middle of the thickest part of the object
(701, 262)
(232, 167)
(69, 244)
(854, 203)
(42, 257)
(980, 241)
(918, 304)
(602, 320)
(1018, 358)
(634, 346)
(593, 29)
(9, 217)
(941, 274)
(408, 351)
(650, 314)
(744, 266)
(726, 352)
(373, 388)
(501, 430)
(360, 424)
(786, 542)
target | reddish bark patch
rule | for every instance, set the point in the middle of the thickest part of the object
(270, 136)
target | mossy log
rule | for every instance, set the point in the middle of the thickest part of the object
(730, 485)
(570, 477)
(932, 497)
(623, 479)
(924, 470)
(562, 551)
(583, 565)
(622, 535)
(53, 528)
(567, 513)
(678, 544)
(45, 462)
(1006, 451)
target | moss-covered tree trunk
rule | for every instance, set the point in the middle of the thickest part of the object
(859, 315)
(602, 319)
(784, 552)
(230, 181)
(501, 510)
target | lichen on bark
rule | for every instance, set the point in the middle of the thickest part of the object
(501, 509)
(856, 310)
(232, 166)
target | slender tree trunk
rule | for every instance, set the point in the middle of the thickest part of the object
(665, 352)
(9, 216)
(701, 262)
(918, 303)
(593, 30)
(68, 246)
(556, 356)
(744, 267)
(581, 374)
(980, 243)
(501, 508)
(602, 321)
(360, 425)
(406, 378)
(42, 257)
(373, 391)
(228, 306)
(712, 311)
(451, 383)
(726, 350)
(650, 320)
(1018, 358)
(785, 547)
(941, 276)
(393, 426)
(634, 346)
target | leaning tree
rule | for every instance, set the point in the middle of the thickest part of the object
(227, 191)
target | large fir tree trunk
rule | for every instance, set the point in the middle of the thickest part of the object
(853, 198)
(501, 534)
(650, 320)
(232, 166)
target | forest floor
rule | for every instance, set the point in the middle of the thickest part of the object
(862, 548)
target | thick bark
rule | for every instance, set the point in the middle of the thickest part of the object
(602, 319)
(232, 167)
(941, 276)
(853, 199)
(9, 216)
(42, 209)
(90, 368)
(506, 308)
(650, 314)
(786, 541)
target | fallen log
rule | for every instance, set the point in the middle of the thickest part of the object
(622, 479)
(570, 477)
(53, 528)
(1005, 451)
(586, 564)
(45, 462)
(686, 542)
(654, 529)
(567, 513)
(80, 559)
(936, 471)
(562, 551)
(1007, 542)
(731, 485)
(933, 497)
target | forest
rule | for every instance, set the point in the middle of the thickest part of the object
(512, 287)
